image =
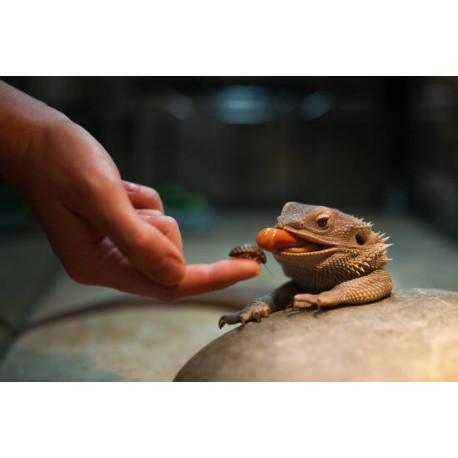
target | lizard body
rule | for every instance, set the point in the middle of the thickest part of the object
(339, 260)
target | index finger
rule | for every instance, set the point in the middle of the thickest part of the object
(203, 278)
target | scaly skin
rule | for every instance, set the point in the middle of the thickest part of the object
(346, 269)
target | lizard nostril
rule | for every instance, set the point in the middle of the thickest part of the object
(359, 240)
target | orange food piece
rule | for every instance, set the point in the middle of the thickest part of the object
(276, 239)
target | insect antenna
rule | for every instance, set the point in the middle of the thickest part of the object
(268, 270)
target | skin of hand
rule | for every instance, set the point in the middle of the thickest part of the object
(106, 231)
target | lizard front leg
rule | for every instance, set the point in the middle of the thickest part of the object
(262, 306)
(372, 287)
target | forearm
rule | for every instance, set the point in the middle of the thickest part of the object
(21, 117)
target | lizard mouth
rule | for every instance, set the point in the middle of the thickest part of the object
(279, 240)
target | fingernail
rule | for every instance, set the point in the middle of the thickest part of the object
(171, 271)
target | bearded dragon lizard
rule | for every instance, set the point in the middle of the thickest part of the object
(332, 258)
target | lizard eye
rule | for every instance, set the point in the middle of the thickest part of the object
(322, 222)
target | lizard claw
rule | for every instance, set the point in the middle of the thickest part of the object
(233, 318)
(254, 312)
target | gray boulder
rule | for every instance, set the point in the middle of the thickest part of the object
(410, 336)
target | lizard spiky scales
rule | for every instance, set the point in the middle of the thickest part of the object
(346, 267)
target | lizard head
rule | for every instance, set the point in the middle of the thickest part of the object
(318, 233)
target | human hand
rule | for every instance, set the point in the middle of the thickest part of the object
(106, 231)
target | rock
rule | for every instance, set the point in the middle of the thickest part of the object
(410, 336)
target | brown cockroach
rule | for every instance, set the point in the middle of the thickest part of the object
(249, 251)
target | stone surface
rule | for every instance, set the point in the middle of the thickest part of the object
(410, 336)
(143, 341)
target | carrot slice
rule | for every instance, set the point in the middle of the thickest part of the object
(276, 239)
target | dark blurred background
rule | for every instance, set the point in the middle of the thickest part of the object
(215, 143)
